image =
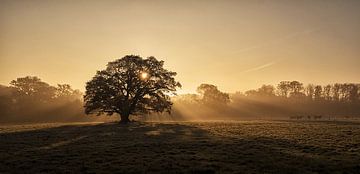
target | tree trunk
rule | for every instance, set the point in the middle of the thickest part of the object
(124, 119)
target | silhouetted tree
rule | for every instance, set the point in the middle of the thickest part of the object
(309, 91)
(343, 92)
(327, 92)
(211, 95)
(31, 88)
(130, 86)
(296, 88)
(284, 88)
(351, 92)
(64, 90)
(318, 92)
(336, 91)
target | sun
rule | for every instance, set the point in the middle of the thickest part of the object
(144, 75)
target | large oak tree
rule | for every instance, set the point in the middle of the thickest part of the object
(131, 86)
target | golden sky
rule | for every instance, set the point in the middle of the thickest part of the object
(236, 45)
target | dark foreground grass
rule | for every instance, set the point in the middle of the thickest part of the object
(197, 147)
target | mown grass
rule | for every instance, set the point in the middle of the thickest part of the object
(183, 147)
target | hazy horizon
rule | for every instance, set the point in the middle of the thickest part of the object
(236, 45)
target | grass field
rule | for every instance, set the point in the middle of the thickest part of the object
(182, 147)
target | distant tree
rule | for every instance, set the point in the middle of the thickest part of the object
(131, 86)
(327, 92)
(336, 91)
(352, 90)
(309, 91)
(263, 91)
(284, 88)
(318, 92)
(31, 88)
(251, 93)
(296, 89)
(211, 95)
(344, 92)
(65, 92)
(267, 90)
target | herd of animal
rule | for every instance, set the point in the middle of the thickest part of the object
(321, 117)
(306, 117)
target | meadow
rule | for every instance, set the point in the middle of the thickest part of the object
(182, 147)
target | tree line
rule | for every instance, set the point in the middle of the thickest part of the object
(344, 92)
(29, 99)
(286, 100)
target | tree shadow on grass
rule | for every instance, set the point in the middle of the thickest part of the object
(153, 148)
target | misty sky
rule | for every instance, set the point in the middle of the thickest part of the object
(236, 45)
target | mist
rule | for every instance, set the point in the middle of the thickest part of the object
(290, 100)
(28, 100)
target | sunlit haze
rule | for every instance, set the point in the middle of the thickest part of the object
(236, 45)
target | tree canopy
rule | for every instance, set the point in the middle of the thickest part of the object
(32, 88)
(131, 86)
(211, 94)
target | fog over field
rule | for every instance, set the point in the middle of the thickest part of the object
(29, 99)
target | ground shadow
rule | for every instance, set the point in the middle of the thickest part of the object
(156, 148)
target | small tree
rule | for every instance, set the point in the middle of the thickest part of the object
(309, 91)
(284, 88)
(296, 89)
(318, 92)
(131, 86)
(211, 95)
